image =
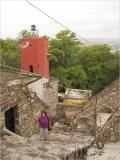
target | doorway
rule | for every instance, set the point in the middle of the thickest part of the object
(9, 119)
(31, 68)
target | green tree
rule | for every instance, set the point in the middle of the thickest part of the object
(100, 65)
(92, 67)
(24, 34)
(28, 34)
(63, 49)
(10, 53)
(76, 77)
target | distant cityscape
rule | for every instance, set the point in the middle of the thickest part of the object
(114, 43)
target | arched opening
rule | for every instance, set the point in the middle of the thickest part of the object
(31, 68)
(10, 119)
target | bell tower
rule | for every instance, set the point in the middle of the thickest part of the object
(34, 54)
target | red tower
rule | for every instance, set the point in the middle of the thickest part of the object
(34, 55)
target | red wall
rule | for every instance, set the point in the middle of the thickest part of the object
(35, 52)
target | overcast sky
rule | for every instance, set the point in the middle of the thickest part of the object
(89, 18)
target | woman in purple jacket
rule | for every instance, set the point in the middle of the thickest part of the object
(44, 125)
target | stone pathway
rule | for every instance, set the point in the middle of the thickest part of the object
(111, 151)
(57, 147)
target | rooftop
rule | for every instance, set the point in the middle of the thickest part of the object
(9, 75)
(77, 94)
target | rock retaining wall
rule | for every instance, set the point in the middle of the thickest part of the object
(109, 97)
(27, 107)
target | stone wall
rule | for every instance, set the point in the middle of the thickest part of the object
(27, 107)
(110, 131)
(38, 86)
(51, 94)
(86, 120)
(68, 110)
(47, 90)
(109, 97)
(27, 94)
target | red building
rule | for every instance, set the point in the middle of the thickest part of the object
(34, 55)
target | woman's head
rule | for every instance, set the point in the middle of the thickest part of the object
(43, 113)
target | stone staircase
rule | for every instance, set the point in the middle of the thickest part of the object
(58, 147)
